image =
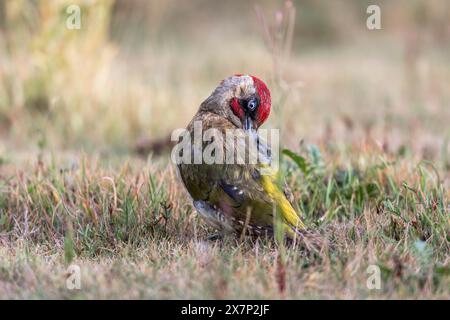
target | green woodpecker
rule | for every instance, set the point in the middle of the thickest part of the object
(236, 196)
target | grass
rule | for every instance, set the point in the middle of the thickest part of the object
(134, 234)
(366, 154)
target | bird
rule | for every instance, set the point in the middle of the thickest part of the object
(237, 197)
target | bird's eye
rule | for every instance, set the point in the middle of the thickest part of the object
(251, 104)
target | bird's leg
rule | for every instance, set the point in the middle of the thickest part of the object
(215, 236)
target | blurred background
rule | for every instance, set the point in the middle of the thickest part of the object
(138, 69)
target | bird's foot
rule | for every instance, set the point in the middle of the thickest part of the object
(214, 236)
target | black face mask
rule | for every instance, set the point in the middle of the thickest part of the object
(250, 107)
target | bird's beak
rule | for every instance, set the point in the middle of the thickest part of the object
(248, 123)
(250, 109)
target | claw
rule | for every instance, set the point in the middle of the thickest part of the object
(214, 236)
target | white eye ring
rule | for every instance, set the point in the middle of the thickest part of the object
(252, 104)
